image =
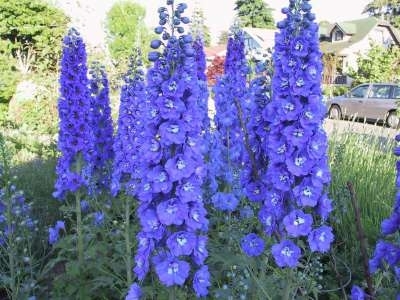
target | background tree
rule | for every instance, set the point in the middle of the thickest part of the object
(126, 30)
(388, 10)
(33, 25)
(198, 27)
(254, 13)
(379, 65)
(223, 37)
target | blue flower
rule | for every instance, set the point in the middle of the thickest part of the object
(391, 224)
(159, 179)
(226, 143)
(268, 220)
(196, 218)
(387, 252)
(252, 244)
(357, 293)
(181, 243)
(135, 292)
(200, 252)
(172, 132)
(98, 218)
(172, 211)
(306, 193)
(170, 163)
(126, 171)
(75, 135)
(101, 152)
(201, 281)
(320, 239)
(172, 271)
(179, 167)
(297, 223)
(54, 232)
(151, 224)
(286, 254)
(225, 201)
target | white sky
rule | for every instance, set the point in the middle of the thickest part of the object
(219, 14)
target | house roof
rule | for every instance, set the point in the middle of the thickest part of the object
(357, 29)
(218, 50)
(264, 37)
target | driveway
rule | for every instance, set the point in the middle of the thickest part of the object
(339, 127)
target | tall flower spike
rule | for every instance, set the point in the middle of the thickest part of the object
(227, 150)
(100, 122)
(126, 172)
(75, 134)
(200, 56)
(171, 211)
(388, 252)
(298, 171)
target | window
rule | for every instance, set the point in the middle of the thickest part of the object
(380, 91)
(338, 35)
(359, 92)
(396, 92)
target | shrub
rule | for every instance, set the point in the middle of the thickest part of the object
(8, 74)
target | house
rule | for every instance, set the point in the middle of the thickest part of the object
(342, 43)
(258, 44)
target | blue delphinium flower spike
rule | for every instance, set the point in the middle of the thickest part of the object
(171, 210)
(298, 173)
(75, 136)
(100, 122)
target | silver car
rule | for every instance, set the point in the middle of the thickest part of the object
(370, 101)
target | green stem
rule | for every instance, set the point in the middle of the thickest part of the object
(11, 251)
(79, 229)
(288, 286)
(172, 293)
(128, 242)
(11, 240)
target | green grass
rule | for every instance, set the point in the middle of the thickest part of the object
(367, 162)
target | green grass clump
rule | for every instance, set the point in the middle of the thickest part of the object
(367, 161)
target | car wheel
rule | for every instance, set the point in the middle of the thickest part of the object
(335, 113)
(393, 120)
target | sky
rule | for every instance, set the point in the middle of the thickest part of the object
(219, 14)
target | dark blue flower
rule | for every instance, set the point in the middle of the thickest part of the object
(126, 172)
(252, 244)
(75, 135)
(101, 150)
(180, 167)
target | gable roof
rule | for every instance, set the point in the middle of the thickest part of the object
(265, 38)
(357, 29)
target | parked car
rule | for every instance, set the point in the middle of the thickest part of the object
(370, 101)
